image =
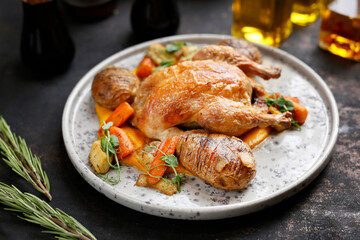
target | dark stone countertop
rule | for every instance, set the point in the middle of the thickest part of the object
(326, 209)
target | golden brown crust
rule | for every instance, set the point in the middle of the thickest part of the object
(224, 162)
(220, 53)
(113, 86)
(175, 95)
(244, 47)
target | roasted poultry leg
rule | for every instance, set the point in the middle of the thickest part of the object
(229, 55)
(234, 118)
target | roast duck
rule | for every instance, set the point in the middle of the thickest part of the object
(214, 92)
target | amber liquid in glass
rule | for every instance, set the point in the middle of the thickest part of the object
(305, 12)
(262, 21)
(340, 29)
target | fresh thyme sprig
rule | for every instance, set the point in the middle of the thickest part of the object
(39, 212)
(109, 144)
(171, 161)
(283, 106)
(20, 158)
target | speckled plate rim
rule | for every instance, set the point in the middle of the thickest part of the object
(210, 212)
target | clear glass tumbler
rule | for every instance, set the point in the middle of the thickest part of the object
(262, 21)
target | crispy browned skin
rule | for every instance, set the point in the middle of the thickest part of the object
(222, 161)
(231, 56)
(189, 92)
(236, 118)
(244, 47)
(113, 86)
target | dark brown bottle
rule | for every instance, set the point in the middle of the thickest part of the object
(154, 18)
(46, 46)
(90, 10)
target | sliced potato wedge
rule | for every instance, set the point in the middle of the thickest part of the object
(98, 158)
(163, 186)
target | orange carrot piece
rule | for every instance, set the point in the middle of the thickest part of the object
(277, 95)
(145, 67)
(126, 146)
(168, 147)
(255, 136)
(292, 99)
(300, 112)
(118, 116)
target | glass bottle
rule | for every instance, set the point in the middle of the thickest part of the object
(305, 12)
(262, 21)
(340, 28)
(46, 46)
(154, 18)
(89, 10)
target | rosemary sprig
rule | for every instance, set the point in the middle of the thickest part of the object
(20, 158)
(39, 212)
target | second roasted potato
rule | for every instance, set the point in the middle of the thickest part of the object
(113, 86)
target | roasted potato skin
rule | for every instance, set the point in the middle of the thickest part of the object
(224, 162)
(113, 86)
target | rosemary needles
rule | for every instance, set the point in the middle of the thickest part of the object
(39, 212)
(20, 158)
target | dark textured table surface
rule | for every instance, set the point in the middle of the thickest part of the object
(329, 208)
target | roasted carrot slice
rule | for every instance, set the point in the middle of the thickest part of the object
(126, 146)
(157, 170)
(292, 99)
(120, 114)
(255, 136)
(300, 112)
(145, 67)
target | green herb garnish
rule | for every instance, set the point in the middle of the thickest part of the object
(109, 144)
(37, 211)
(175, 46)
(171, 161)
(295, 123)
(164, 64)
(20, 158)
(283, 106)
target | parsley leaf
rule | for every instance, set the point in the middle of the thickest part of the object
(114, 140)
(175, 46)
(295, 123)
(283, 105)
(171, 160)
(177, 180)
(164, 64)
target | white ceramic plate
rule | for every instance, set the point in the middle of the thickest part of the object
(286, 162)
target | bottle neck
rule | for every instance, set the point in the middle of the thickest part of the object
(36, 1)
(86, 3)
(41, 15)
